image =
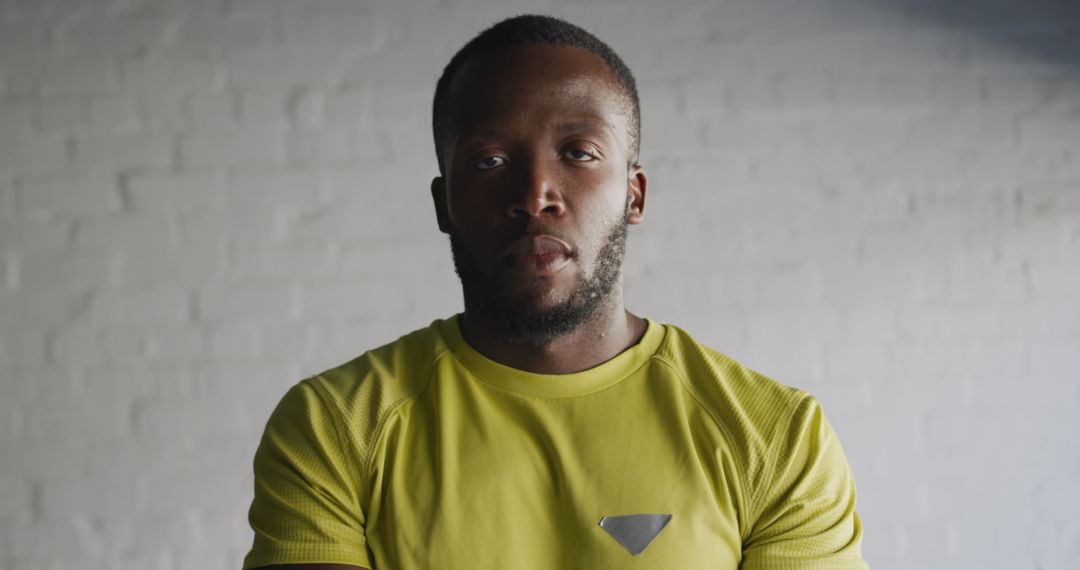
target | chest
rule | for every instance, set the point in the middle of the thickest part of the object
(471, 479)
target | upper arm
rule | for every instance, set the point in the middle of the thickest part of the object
(804, 514)
(311, 567)
(306, 505)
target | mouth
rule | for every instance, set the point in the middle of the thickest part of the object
(539, 265)
(537, 255)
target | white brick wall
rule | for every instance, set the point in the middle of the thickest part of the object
(203, 201)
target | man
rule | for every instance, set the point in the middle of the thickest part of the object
(547, 426)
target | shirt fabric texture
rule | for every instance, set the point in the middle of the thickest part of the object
(423, 453)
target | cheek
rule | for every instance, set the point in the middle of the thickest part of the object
(610, 201)
(469, 210)
(597, 233)
(475, 197)
(475, 226)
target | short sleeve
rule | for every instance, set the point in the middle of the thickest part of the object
(306, 507)
(804, 511)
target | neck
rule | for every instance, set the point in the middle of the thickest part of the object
(602, 337)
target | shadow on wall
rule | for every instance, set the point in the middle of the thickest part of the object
(1046, 29)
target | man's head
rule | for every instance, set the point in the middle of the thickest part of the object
(537, 142)
(524, 31)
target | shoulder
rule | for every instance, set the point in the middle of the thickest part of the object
(313, 468)
(725, 385)
(752, 410)
(357, 396)
(392, 372)
(778, 435)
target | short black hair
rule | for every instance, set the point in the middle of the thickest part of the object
(527, 30)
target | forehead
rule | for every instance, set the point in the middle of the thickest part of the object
(532, 82)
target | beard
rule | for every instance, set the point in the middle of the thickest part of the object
(524, 325)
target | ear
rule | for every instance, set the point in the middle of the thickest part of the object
(438, 195)
(637, 186)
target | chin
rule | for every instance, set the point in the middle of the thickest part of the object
(539, 319)
(538, 296)
(539, 309)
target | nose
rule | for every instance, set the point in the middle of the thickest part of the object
(536, 192)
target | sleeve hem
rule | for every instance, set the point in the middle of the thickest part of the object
(322, 555)
(806, 565)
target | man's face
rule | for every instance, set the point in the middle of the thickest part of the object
(538, 188)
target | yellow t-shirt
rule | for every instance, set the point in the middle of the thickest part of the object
(425, 454)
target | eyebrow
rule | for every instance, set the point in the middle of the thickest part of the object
(482, 133)
(583, 126)
(491, 132)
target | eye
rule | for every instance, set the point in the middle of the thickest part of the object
(489, 162)
(579, 155)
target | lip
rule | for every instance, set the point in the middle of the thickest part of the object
(537, 244)
(537, 255)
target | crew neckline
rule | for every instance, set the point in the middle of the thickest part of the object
(594, 379)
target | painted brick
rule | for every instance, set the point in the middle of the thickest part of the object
(9, 271)
(279, 66)
(350, 106)
(28, 349)
(210, 230)
(229, 342)
(18, 497)
(178, 344)
(239, 302)
(171, 74)
(161, 305)
(284, 262)
(62, 114)
(69, 270)
(264, 107)
(91, 344)
(183, 265)
(307, 107)
(26, 233)
(69, 193)
(210, 109)
(162, 111)
(30, 306)
(75, 76)
(206, 419)
(47, 544)
(272, 188)
(168, 191)
(335, 145)
(261, 146)
(1055, 281)
(63, 498)
(7, 198)
(32, 152)
(17, 115)
(365, 299)
(350, 221)
(115, 35)
(116, 113)
(123, 230)
(19, 36)
(217, 31)
(124, 151)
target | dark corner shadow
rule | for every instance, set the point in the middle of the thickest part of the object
(1047, 29)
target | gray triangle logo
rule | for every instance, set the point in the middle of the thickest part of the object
(634, 532)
